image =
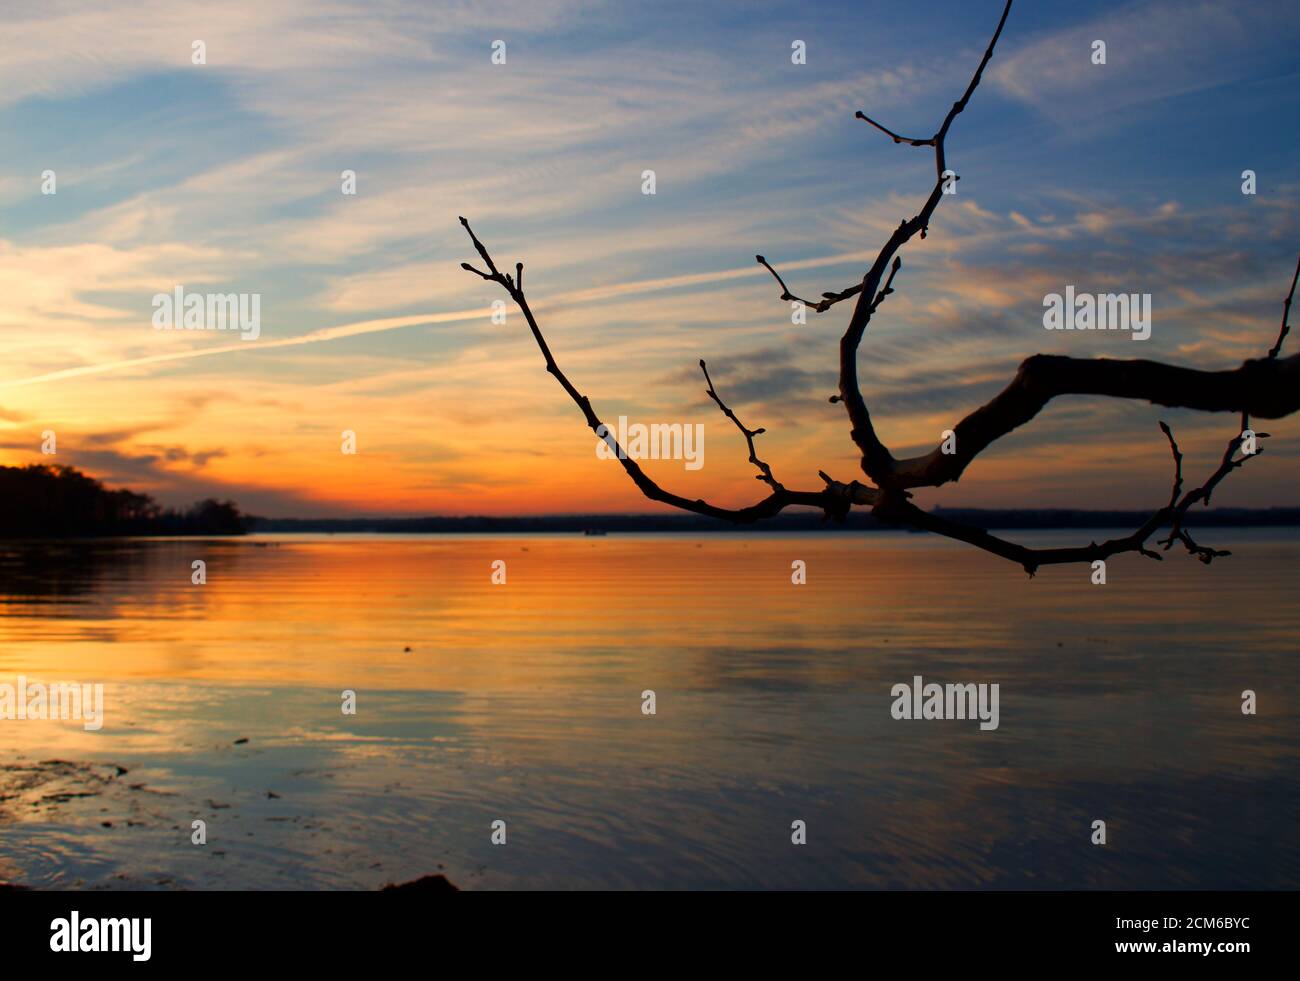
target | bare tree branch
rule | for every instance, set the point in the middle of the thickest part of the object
(929, 141)
(827, 301)
(1268, 388)
(1176, 530)
(765, 472)
(1286, 313)
(877, 462)
(1031, 559)
(936, 141)
(831, 500)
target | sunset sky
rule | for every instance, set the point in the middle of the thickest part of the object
(225, 177)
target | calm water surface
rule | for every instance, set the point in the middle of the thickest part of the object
(522, 702)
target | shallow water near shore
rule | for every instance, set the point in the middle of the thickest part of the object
(522, 702)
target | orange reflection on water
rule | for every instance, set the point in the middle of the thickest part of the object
(773, 699)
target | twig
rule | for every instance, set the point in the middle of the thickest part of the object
(1286, 313)
(827, 500)
(765, 472)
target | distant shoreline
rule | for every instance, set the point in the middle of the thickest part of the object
(798, 521)
(801, 521)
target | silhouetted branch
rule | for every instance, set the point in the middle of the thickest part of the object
(1268, 388)
(827, 301)
(1030, 559)
(877, 462)
(765, 472)
(936, 141)
(928, 141)
(830, 500)
(1178, 463)
(1176, 530)
(960, 104)
(1286, 313)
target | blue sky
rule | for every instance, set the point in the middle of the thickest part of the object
(226, 177)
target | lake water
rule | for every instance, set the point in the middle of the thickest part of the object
(522, 702)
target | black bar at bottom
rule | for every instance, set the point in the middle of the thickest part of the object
(297, 930)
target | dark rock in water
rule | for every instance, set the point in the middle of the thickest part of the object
(428, 883)
(240, 742)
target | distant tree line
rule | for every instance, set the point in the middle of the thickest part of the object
(40, 501)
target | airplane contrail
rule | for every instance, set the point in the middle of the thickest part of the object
(418, 320)
(313, 337)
